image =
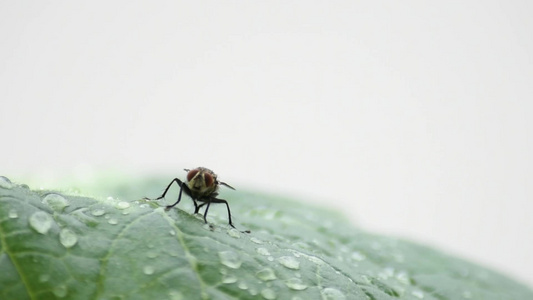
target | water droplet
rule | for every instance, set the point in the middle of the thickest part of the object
(208, 227)
(266, 274)
(5, 183)
(268, 294)
(44, 277)
(358, 256)
(310, 258)
(98, 212)
(175, 295)
(172, 232)
(13, 214)
(289, 262)
(242, 285)
(403, 277)
(151, 254)
(41, 222)
(230, 259)
(262, 251)
(60, 291)
(229, 279)
(419, 294)
(256, 240)
(386, 273)
(112, 221)
(234, 233)
(314, 259)
(148, 270)
(252, 291)
(56, 202)
(122, 205)
(332, 294)
(270, 258)
(144, 205)
(366, 280)
(67, 238)
(295, 284)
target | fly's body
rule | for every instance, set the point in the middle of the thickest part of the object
(203, 183)
(202, 186)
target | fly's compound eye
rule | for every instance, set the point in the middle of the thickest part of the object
(191, 174)
(208, 180)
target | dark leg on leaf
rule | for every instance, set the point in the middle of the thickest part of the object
(179, 182)
(179, 197)
(205, 212)
(197, 210)
(196, 207)
(215, 200)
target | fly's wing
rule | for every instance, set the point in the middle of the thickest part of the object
(226, 185)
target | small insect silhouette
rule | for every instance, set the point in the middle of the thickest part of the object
(202, 186)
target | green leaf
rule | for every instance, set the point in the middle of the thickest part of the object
(60, 246)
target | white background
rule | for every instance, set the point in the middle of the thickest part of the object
(411, 116)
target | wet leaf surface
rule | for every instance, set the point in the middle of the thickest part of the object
(55, 245)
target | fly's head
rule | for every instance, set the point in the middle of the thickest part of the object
(202, 182)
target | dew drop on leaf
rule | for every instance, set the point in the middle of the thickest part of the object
(358, 256)
(262, 251)
(386, 273)
(403, 277)
(5, 183)
(56, 202)
(266, 274)
(122, 205)
(13, 214)
(60, 291)
(289, 262)
(41, 222)
(295, 284)
(230, 259)
(172, 232)
(67, 238)
(268, 294)
(242, 285)
(112, 221)
(256, 240)
(98, 212)
(148, 270)
(419, 294)
(234, 233)
(332, 294)
(314, 259)
(229, 279)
